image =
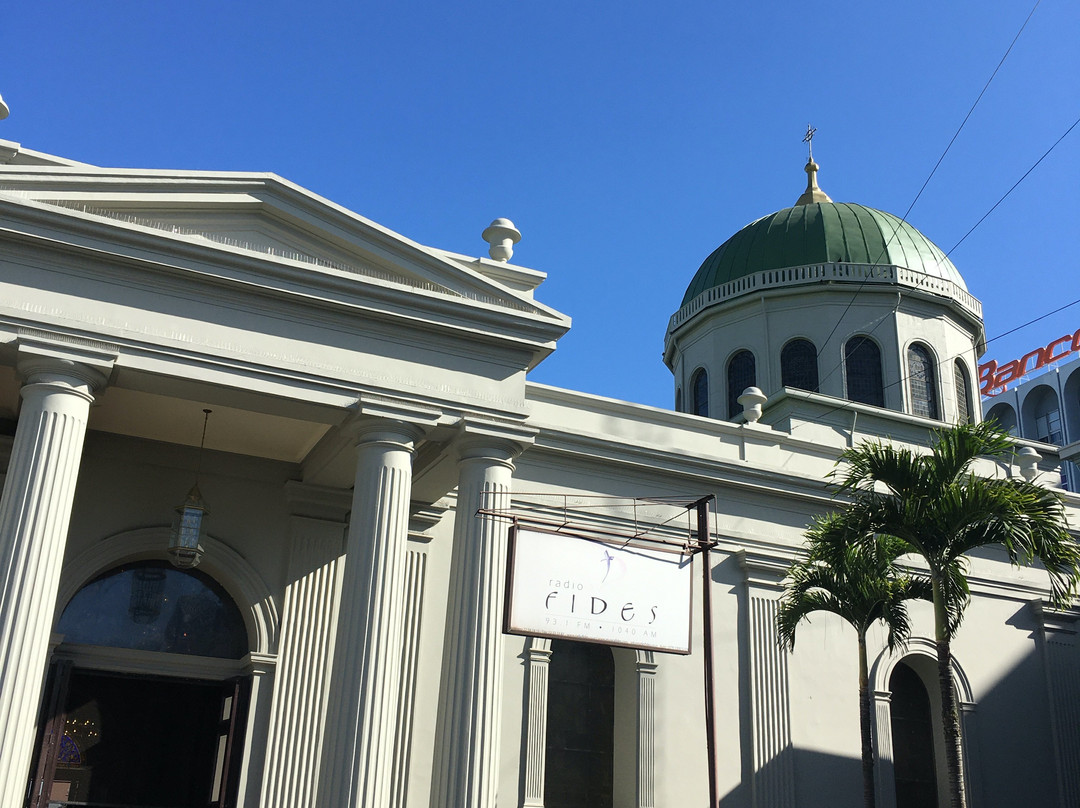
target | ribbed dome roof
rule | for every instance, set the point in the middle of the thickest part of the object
(822, 233)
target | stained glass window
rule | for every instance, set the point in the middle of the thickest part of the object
(922, 382)
(798, 365)
(152, 606)
(963, 393)
(862, 366)
(700, 386)
(741, 373)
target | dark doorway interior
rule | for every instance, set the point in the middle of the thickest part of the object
(132, 741)
(913, 740)
(581, 726)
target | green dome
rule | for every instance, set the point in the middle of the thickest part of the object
(822, 233)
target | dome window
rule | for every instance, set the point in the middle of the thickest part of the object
(741, 373)
(798, 365)
(862, 366)
(700, 387)
(922, 382)
(963, 393)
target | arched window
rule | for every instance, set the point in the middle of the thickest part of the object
(152, 606)
(1046, 413)
(699, 384)
(798, 365)
(922, 381)
(963, 393)
(741, 373)
(581, 726)
(1005, 416)
(862, 366)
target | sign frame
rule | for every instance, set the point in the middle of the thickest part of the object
(622, 544)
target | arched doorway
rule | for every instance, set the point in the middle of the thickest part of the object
(899, 692)
(145, 704)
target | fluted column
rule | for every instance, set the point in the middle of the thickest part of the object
(770, 709)
(358, 757)
(470, 708)
(34, 514)
(309, 617)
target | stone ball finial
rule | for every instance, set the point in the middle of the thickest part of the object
(751, 399)
(502, 236)
(1028, 460)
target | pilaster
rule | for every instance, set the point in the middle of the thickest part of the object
(358, 760)
(884, 769)
(470, 709)
(421, 519)
(309, 616)
(539, 657)
(58, 385)
(1061, 659)
(646, 730)
(773, 768)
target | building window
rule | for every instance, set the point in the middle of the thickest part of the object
(862, 365)
(581, 726)
(1048, 427)
(699, 384)
(963, 393)
(741, 373)
(798, 365)
(921, 382)
(913, 740)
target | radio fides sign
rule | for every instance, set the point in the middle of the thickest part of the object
(582, 589)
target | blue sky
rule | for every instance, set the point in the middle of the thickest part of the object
(625, 139)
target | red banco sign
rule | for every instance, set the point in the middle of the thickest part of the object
(994, 378)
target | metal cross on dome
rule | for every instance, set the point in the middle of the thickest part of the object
(808, 139)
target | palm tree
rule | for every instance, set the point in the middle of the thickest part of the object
(941, 510)
(860, 582)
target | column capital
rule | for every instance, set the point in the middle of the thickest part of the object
(400, 434)
(501, 441)
(763, 569)
(1060, 625)
(45, 358)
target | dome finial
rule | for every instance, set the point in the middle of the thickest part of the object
(812, 193)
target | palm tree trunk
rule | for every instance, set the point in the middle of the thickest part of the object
(950, 719)
(865, 726)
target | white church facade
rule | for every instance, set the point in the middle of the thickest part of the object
(373, 430)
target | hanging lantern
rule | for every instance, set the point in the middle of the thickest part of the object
(189, 521)
(188, 530)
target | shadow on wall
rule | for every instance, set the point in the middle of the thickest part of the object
(1011, 744)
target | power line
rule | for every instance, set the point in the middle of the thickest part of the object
(930, 176)
(1013, 188)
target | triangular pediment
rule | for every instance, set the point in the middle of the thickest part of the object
(266, 217)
